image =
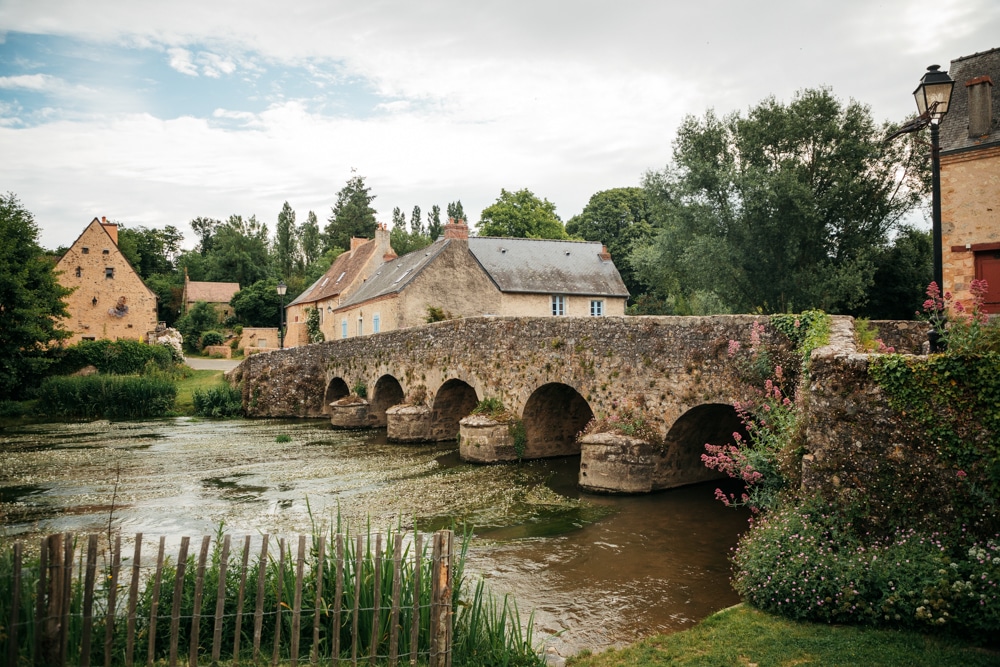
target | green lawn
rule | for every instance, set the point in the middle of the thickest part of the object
(744, 637)
(186, 387)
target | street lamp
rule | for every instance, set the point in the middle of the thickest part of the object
(933, 97)
(282, 288)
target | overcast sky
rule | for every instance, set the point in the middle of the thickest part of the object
(153, 113)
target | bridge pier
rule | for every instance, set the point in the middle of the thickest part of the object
(612, 463)
(350, 412)
(409, 423)
(483, 440)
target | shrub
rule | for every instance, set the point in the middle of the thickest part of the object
(117, 357)
(809, 562)
(360, 389)
(212, 338)
(108, 396)
(217, 402)
(630, 421)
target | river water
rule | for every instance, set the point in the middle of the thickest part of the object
(596, 570)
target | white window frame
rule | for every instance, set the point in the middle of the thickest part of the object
(597, 307)
(343, 328)
(376, 323)
(558, 303)
(361, 326)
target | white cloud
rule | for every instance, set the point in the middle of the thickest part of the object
(33, 82)
(180, 60)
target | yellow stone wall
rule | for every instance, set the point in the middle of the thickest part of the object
(970, 214)
(540, 305)
(91, 256)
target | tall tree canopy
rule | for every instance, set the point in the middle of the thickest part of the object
(434, 226)
(618, 218)
(30, 300)
(352, 215)
(311, 241)
(456, 212)
(783, 208)
(240, 251)
(521, 215)
(150, 251)
(286, 241)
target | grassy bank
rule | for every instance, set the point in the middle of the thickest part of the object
(742, 636)
(191, 382)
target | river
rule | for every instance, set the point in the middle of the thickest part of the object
(596, 570)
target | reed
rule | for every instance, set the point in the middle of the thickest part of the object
(108, 396)
(220, 401)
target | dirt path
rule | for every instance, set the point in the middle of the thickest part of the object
(203, 364)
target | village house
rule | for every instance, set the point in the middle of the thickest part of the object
(970, 179)
(109, 299)
(346, 274)
(217, 295)
(458, 276)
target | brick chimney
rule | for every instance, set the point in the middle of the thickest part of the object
(383, 243)
(604, 254)
(456, 230)
(980, 106)
(111, 228)
(357, 242)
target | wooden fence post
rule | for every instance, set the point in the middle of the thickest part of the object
(12, 647)
(88, 600)
(441, 600)
(51, 649)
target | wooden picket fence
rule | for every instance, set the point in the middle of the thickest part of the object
(128, 614)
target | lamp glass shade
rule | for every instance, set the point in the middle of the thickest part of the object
(282, 288)
(934, 92)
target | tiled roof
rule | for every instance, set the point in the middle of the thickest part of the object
(210, 292)
(339, 276)
(394, 275)
(955, 125)
(547, 266)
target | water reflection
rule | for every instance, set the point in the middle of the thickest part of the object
(600, 570)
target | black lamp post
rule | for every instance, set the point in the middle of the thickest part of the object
(282, 288)
(933, 97)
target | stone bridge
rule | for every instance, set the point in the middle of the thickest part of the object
(554, 374)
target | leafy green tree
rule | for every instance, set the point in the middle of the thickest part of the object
(902, 272)
(311, 241)
(169, 289)
(521, 215)
(199, 318)
(312, 326)
(240, 252)
(31, 300)
(782, 209)
(352, 215)
(150, 251)
(286, 241)
(205, 229)
(434, 226)
(618, 218)
(259, 304)
(398, 219)
(456, 212)
(416, 222)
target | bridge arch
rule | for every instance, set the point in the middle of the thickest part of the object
(553, 416)
(680, 459)
(336, 389)
(387, 393)
(453, 400)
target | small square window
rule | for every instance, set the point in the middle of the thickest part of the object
(109, 272)
(596, 308)
(86, 251)
(105, 251)
(558, 305)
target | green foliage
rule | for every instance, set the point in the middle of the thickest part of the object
(456, 212)
(286, 241)
(902, 271)
(785, 207)
(434, 226)
(351, 216)
(521, 215)
(212, 338)
(310, 241)
(491, 407)
(150, 251)
(312, 326)
(283, 438)
(630, 420)
(809, 562)
(200, 317)
(240, 251)
(116, 357)
(259, 304)
(107, 396)
(807, 330)
(360, 389)
(436, 314)
(31, 301)
(218, 402)
(519, 436)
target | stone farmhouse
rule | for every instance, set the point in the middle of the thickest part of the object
(217, 295)
(345, 275)
(970, 178)
(460, 276)
(109, 299)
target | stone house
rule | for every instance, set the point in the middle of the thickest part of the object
(970, 178)
(109, 299)
(346, 274)
(217, 295)
(460, 276)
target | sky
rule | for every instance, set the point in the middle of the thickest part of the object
(154, 113)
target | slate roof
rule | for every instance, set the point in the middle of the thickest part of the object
(394, 275)
(955, 125)
(547, 266)
(210, 292)
(339, 276)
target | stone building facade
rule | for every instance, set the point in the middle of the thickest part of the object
(217, 295)
(109, 299)
(970, 178)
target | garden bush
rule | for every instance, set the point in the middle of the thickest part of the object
(117, 357)
(220, 401)
(107, 396)
(212, 338)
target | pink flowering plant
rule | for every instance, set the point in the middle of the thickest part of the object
(630, 419)
(963, 328)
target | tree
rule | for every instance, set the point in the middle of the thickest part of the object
(618, 218)
(200, 317)
(521, 215)
(205, 229)
(416, 222)
(782, 209)
(259, 305)
(398, 219)
(240, 251)
(902, 272)
(351, 216)
(31, 300)
(150, 251)
(313, 326)
(456, 212)
(434, 227)
(286, 241)
(311, 241)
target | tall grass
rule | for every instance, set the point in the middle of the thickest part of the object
(222, 400)
(486, 631)
(107, 396)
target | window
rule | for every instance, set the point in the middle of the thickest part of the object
(109, 272)
(558, 305)
(79, 272)
(596, 308)
(88, 338)
(86, 251)
(343, 328)
(376, 323)
(105, 251)
(361, 326)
